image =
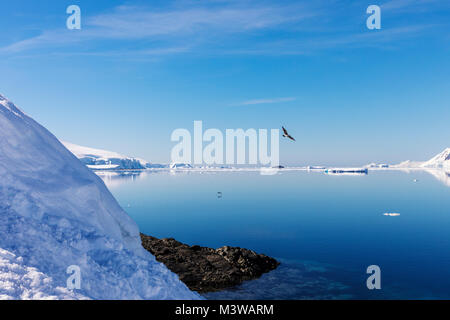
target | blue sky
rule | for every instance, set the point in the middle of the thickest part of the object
(137, 70)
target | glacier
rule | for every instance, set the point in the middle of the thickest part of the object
(98, 159)
(54, 213)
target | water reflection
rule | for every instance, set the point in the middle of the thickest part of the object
(305, 216)
(116, 178)
(441, 175)
(347, 173)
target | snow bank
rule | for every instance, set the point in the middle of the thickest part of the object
(55, 212)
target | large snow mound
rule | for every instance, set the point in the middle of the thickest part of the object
(54, 213)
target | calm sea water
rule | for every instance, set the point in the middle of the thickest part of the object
(326, 230)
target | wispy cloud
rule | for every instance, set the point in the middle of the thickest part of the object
(412, 4)
(191, 24)
(264, 101)
(385, 38)
(224, 28)
(132, 22)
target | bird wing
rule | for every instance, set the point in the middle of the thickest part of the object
(285, 131)
(290, 137)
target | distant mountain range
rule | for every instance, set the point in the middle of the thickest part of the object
(98, 159)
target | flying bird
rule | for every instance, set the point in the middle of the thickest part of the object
(287, 135)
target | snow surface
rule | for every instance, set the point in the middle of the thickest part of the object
(55, 212)
(20, 281)
(408, 164)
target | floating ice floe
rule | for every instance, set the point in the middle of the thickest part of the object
(315, 168)
(347, 171)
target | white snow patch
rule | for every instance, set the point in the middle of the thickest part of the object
(18, 281)
(408, 164)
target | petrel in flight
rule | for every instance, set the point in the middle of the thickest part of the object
(287, 135)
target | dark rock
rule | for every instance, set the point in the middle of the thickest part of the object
(205, 269)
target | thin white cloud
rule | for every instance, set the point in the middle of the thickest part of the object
(385, 38)
(265, 101)
(410, 4)
(219, 28)
(188, 25)
(131, 22)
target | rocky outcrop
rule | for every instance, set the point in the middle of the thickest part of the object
(205, 269)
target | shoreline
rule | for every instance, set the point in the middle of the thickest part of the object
(204, 269)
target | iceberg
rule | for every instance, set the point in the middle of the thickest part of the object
(377, 165)
(315, 168)
(391, 214)
(351, 171)
(98, 159)
(177, 165)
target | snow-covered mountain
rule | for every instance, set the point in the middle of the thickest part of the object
(98, 159)
(442, 160)
(55, 213)
(408, 164)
